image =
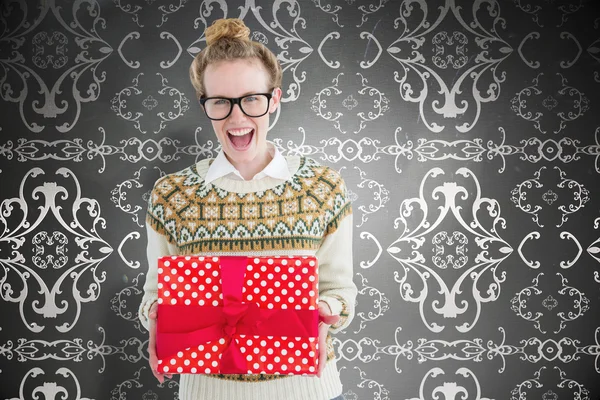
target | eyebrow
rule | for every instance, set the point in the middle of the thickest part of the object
(245, 94)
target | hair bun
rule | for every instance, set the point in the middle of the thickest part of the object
(230, 28)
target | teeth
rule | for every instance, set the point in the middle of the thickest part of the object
(240, 132)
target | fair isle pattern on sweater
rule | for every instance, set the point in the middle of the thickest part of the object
(202, 218)
(296, 215)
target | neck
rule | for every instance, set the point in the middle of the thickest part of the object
(249, 169)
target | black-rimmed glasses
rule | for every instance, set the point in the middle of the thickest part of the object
(253, 105)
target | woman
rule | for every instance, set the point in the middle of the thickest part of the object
(303, 211)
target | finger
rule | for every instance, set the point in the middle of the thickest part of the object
(152, 357)
(160, 377)
(152, 314)
(329, 319)
(324, 308)
(323, 328)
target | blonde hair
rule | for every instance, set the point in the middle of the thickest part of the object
(229, 39)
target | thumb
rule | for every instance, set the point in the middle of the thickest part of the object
(329, 319)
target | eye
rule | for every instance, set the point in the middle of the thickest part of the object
(220, 102)
(250, 99)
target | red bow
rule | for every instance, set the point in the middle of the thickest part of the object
(180, 327)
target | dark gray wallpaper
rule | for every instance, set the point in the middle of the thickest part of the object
(468, 134)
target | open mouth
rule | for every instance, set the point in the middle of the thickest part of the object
(241, 138)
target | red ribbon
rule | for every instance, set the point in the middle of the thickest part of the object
(180, 327)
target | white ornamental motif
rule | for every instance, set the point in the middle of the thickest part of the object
(449, 390)
(578, 196)
(440, 40)
(420, 223)
(80, 280)
(50, 390)
(579, 304)
(575, 389)
(43, 96)
(59, 240)
(45, 45)
(120, 392)
(477, 82)
(443, 258)
(172, 97)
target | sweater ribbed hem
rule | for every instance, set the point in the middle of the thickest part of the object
(202, 387)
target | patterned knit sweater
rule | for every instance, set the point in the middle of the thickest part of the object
(308, 214)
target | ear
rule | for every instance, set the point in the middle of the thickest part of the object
(275, 100)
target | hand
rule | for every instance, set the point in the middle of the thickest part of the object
(326, 320)
(152, 315)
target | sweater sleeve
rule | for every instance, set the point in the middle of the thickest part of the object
(336, 285)
(159, 244)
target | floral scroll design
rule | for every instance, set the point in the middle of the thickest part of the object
(81, 221)
(532, 350)
(449, 390)
(119, 302)
(380, 303)
(580, 304)
(379, 101)
(121, 390)
(119, 196)
(521, 389)
(132, 150)
(378, 193)
(580, 196)
(180, 104)
(519, 104)
(49, 390)
(594, 250)
(409, 249)
(40, 240)
(67, 92)
(73, 350)
(409, 49)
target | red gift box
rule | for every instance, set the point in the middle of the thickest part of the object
(237, 315)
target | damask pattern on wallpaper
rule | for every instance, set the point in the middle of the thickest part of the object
(467, 133)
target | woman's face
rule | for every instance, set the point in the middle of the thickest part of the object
(242, 138)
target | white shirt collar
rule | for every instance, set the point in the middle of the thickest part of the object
(277, 167)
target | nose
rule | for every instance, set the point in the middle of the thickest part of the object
(237, 114)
